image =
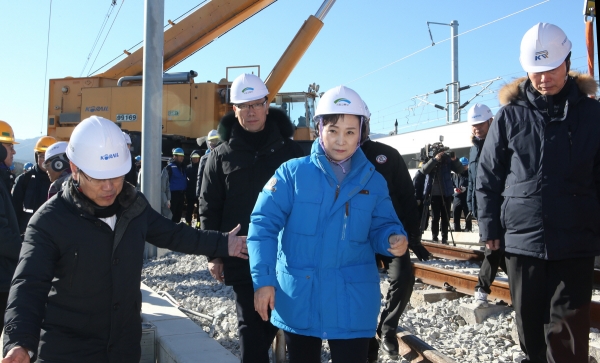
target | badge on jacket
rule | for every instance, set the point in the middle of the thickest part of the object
(381, 159)
(271, 184)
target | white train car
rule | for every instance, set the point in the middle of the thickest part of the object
(456, 136)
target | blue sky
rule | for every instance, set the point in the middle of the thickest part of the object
(359, 37)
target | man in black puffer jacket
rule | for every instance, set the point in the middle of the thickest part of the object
(10, 243)
(255, 142)
(538, 186)
(75, 296)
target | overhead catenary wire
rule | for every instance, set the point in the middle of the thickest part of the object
(445, 40)
(46, 70)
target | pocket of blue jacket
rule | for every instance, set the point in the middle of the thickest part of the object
(305, 214)
(362, 297)
(293, 299)
(360, 214)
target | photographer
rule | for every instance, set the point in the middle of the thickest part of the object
(438, 182)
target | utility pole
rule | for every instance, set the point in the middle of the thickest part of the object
(453, 99)
(152, 90)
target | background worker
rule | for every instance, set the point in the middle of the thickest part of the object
(438, 182)
(57, 166)
(255, 142)
(10, 243)
(459, 204)
(390, 164)
(191, 174)
(76, 291)
(31, 188)
(538, 190)
(480, 118)
(131, 176)
(174, 173)
(212, 140)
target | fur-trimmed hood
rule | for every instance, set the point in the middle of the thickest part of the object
(276, 116)
(125, 198)
(512, 91)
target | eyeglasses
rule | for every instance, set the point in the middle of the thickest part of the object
(98, 182)
(255, 106)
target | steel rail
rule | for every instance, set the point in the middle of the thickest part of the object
(451, 252)
(414, 349)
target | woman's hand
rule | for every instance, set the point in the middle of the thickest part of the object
(264, 299)
(399, 244)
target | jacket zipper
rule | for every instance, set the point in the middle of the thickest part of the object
(76, 259)
(337, 192)
(345, 223)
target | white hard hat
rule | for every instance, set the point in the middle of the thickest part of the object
(543, 48)
(213, 134)
(478, 114)
(97, 147)
(55, 149)
(341, 100)
(127, 138)
(247, 87)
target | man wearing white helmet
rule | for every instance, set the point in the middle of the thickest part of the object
(75, 295)
(255, 142)
(480, 118)
(57, 166)
(538, 190)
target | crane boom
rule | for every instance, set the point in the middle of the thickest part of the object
(192, 33)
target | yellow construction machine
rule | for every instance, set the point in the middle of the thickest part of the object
(189, 110)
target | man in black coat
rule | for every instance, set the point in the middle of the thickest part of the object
(459, 204)
(10, 243)
(31, 188)
(538, 193)
(389, 163)
(255, 142)
(191, 173)
(75, 296)
(480, 118)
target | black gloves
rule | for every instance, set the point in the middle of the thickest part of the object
(414, 243)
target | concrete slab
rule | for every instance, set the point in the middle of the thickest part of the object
(594, 352)
(474, 315)
(420, 297)
(179, 339)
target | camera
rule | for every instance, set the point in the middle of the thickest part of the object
(431, 150)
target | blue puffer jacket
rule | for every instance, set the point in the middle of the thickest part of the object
(315, 242)
(177, 177)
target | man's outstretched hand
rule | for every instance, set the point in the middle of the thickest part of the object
(17, 355)
(237, 244)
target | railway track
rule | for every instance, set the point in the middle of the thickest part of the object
(465, 284)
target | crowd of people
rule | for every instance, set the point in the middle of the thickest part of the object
(318, 226)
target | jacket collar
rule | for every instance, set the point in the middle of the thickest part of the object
(360, 163)
(126, 198)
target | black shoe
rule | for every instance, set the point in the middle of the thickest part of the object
(390, 347)
(435, 239)
(444, 241)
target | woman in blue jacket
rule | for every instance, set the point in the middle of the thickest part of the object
(314, 231)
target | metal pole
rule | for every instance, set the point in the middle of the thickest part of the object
(324, 9)
(454, 107)
(152, 105)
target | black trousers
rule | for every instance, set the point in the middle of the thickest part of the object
(552, 305)
(401, 280)
(420, 211)
(177, 201)
(305, 349)
(255, 334)
(191, 206)
(437, 209)
(459, 209)
(489, 267)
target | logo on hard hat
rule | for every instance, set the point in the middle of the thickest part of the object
(342, 102)
(109, 156)
(6, 134)
(247, 90)
(541, 54)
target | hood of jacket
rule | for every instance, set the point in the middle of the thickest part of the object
(125, 198)
(513, 91)
(275, 117)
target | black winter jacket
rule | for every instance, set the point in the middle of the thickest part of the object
(538, 180)
(389, 163)
(191, 173)
(234, 175)
(202, 163)
(474, 154)
(76, 290)
(461, 181)
(10, 243)
(419, 185)
(29, 193)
